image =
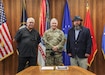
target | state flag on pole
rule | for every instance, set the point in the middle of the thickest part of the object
(42, 27)
(88, 24)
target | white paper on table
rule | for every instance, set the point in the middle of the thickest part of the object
(62, 68)
(47, 68)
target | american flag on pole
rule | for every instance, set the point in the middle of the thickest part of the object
(6, 48)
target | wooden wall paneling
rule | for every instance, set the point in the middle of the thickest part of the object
(76, 5)
(99, 36)
(93, 18)
(59, 8)
(17, 12)
(29, 8)
(70, 8)
(103, 12)
(57, 13)
(35, 4)
(6, 63)
(82, 9)
(101, 31)
(15, 6)
(13, 17)
(36, 12)
(1, 68)
(52, 8)
(61, 13)
(99, 20)
(7, 68)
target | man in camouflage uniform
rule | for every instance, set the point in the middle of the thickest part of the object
(54, 40)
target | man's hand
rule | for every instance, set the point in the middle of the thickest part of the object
(17, 52)
(87, 55)
(69, 54)
(55, 48)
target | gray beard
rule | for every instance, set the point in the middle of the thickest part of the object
(77, 27)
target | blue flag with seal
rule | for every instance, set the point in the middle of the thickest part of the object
(66, 25)
(103, 43)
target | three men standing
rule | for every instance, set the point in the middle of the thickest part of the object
(78, 45)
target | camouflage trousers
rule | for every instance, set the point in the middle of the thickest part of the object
(55, 60)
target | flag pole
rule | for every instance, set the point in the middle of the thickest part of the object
(87, 5)
(1, 68)
(23, 12)
(1, 43)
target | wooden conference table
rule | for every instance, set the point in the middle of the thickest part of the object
(73, 70)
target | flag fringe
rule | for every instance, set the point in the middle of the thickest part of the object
(6, 56)
(92, 58)
(103, 53)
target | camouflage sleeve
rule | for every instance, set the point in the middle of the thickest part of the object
(61, 44)
(47, 44)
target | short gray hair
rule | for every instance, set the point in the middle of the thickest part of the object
(54, 20)
(31, 18)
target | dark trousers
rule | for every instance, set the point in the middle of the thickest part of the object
(32, 61)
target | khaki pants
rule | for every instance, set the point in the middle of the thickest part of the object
(82, 62)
